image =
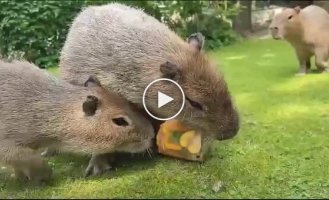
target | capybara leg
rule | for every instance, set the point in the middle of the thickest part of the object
(321, 60)
(304, 63)
(305, 66)
(99, 164)
(49, 152)
(27, 164)
(308, 65)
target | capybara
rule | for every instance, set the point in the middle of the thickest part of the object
(38, 110)
(307, 30)
(128, 49)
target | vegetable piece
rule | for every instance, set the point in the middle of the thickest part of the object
(174, 125)
(195, 146)
(172, 146)
(175, 137)
(186, 138)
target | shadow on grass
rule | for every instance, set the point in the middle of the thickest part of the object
(168, 177)
(70, 167)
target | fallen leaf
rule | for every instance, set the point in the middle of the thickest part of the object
(218, 187)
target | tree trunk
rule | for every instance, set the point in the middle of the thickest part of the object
(242, 22)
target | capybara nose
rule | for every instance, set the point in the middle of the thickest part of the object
(274, 28)
(232, 128)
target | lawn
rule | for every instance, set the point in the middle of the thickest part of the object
(282, 149)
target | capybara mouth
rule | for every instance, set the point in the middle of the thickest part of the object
(276, 37)
(135, 146)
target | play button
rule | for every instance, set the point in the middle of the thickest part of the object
(163, 99)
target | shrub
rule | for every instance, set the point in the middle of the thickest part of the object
(36, 30)
(212, 19)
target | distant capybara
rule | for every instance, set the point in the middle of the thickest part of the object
(129, 49)
(307, 30)
(37, 111)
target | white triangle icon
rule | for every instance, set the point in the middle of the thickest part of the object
(163, 99)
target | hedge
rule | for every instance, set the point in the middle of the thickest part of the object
(36, 30)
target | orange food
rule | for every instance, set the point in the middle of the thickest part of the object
(174, 125)
(172, 146)
(195, 146)
(173, 138)
(186, 138)
(168, 131)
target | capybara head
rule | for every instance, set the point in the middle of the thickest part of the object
(286, 24)
(114, 122)
(208, 104)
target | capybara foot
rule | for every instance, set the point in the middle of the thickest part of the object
(326, 70)
(37, 173)
(300, 74)
(49, 152)
(99, 164)
(302, 71)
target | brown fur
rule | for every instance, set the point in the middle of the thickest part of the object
(126, 48)
(307, 30)
(38, 110)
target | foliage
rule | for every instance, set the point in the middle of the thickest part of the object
(36, 30)
(214, 20)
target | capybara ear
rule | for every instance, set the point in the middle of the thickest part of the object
(170, 71)
(196, 40)
(297, 9)
(90, 105)
(92, 81)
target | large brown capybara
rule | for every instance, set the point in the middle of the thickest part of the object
(128, 49)
(307, 30)
(37, 111)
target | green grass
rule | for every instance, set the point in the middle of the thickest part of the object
(281, 151)
(54, 70)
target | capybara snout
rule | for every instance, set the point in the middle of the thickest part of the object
(274, 30)
(232, 128)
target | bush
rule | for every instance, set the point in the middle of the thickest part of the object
(212, 19)
(36, 30)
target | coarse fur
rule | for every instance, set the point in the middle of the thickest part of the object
(307, 30)
(38, 110)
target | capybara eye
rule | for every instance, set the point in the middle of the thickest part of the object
(120, 121)
(195, 104)
(290, 17)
